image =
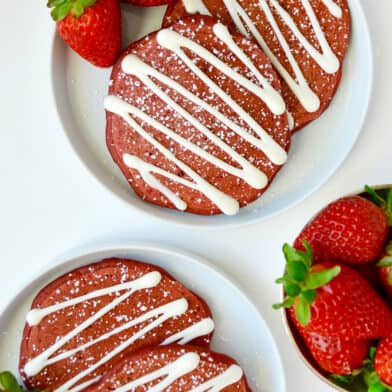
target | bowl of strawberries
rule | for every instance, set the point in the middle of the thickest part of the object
(337, 292)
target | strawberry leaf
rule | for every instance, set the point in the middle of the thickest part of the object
(377, 387)
(62, 8)
(308, 256)
(375, 197)
(297, 270)
(87, 3)
(300, 283)
(385, 204)
(302, 311)
(292, 254)
(55, 3)
(385, 262)
(291, 289)
(77, 9)
(298, 262)
(9, 382)
(321, 278)
(374, 384)
(60, 12)
(389, 201)
(309, 296)
(287, 303)
(346, 380)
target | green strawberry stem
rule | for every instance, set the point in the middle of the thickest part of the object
(301, 281)
(384, 204)
(351, 382)
(386, 261)
(9, 383)
(62, 8)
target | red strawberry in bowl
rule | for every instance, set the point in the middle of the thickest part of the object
(92, 28)
(351, 230)
(334, 309)
(332, 299)
(383, 361)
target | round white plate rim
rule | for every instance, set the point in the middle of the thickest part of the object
(182, 220)
(95, 253)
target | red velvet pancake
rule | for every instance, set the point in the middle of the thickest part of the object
(277, 24)
(148, 3)
(193, 122)
(174, 368)
(76, 343)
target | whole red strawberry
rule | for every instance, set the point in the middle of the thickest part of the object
(92, 28)
(335, 355)
(332, 300)
(351, 230)
(383, 361)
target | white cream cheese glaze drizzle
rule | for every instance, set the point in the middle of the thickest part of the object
(327, 60)
(35, 316)
(171, 372)
(333, 8)
(202, 328)
(248, 172)
(230, 376)
(196, 7)
(180, 367)
(227, 204)
(172, 309)
(175, 42)
(158, 316)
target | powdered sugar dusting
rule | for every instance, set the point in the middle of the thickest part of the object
(149, 315)
(124, 140)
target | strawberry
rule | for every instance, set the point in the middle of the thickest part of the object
(383, 361)
(148, 3)
(92, 28)
(385, 270)
(334, 355)
(352, 230)
(331, 299)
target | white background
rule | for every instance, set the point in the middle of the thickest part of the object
(50, 205)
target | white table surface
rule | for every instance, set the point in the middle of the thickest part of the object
(51, 206)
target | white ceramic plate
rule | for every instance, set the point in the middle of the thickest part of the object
(316, 153)
(240, 330)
